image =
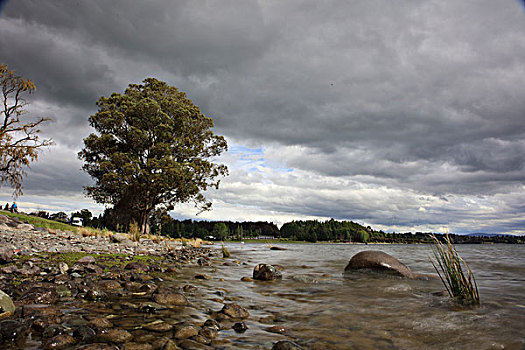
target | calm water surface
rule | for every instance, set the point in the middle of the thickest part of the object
(319, 308)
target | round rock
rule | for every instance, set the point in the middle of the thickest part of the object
(7, 307)
(263, 272)
(377, 261)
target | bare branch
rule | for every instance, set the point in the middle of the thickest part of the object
(19, 141)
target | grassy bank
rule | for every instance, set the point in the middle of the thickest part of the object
(41, 222)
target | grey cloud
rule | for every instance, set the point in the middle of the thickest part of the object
(425, 97)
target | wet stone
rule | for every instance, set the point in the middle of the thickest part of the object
(191, 344)
(151, 307)
(95, 294)
(84, 333)
(276, 329)
(61, 341)
(54, 330)
(286, 345)
(185, 332)
(97, 346)
(158, 326)
(200, 339)
(240, 327)
(136, 346)
(211, 323)
(100, 323)
(208, 332)
(13, 332)
(235, 311)
(40, 311)
(115, 335)
(202, 277)
(170, 298)
(265, 272)
(164, 343)
(63, 291)
(39, 295)
(110, 285)
(189, 288)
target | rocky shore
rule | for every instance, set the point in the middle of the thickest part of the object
(60, 290)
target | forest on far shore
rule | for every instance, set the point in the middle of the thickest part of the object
(301, 230)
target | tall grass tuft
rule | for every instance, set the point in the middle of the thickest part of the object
(134, 231)
(225, 252)
(460, 286)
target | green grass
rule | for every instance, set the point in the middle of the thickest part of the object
(451, 269)
(41, 222)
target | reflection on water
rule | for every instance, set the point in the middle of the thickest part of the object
(319, 308)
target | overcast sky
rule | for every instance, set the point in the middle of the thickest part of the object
(405, 115)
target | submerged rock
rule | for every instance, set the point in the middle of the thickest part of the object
(240, 327)
(377, 261)
(235, 311)
(286, 345)
(263, 272)
(169, 297)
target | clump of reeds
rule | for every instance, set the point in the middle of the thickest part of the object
(452, 267)
(225, 252)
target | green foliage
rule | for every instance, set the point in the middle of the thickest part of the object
(220, 231)
(331, 230)
(86, 216)
(152, 147)
(362, 236)
(459, 285)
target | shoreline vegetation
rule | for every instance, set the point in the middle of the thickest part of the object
(311, 231)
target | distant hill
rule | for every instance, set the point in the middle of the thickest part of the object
(480, 234)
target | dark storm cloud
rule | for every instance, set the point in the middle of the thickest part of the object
(417, 96)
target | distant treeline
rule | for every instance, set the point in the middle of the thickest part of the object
(302, 230)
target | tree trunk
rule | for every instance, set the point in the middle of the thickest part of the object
(144, 221)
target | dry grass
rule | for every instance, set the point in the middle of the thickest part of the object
(134, 231)
(460, 285)
(225, 252)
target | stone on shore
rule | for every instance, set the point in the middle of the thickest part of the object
(377, 261)
(263, 272)
(88, 259)
(6, 255)
(7, 307)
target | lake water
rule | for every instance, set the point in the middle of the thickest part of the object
(319, 308)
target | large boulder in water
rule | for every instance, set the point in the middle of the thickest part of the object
(379, 262)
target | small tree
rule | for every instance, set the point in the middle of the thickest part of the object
(153, 147)
(19, 140)
(220, 231)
